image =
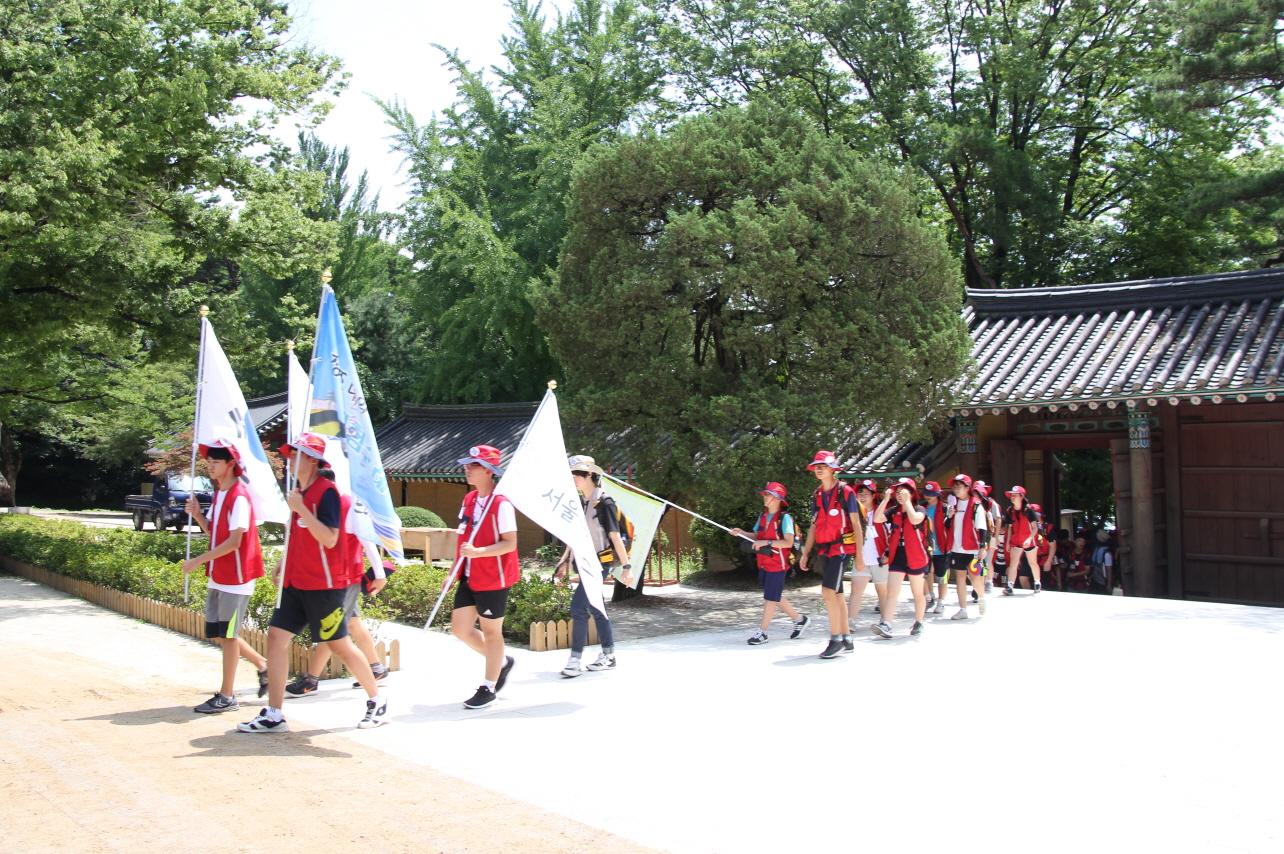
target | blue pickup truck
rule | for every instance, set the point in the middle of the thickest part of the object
(163, 498)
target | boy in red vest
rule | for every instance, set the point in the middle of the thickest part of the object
(318, 572)
(967, 538)
(871, 554)
(836, 535)
(908, 553)
(232, 564)
(774, 531)
(488, 552)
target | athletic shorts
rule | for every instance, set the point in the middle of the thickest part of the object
(940, 565)
(490, 604)
(322, 611)
(900, 563)
(877, 572)
(224, 613)
(961, 561)
(773, 584)
(352, 601)
(832, 569)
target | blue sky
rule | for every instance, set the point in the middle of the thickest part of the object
(386, 45)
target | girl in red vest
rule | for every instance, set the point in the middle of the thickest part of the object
(232, 564)
(875, 540)
(773, 541)
(316, 573)
(936, 511)
(488, 553)
(908, 553)
(836, 534)
(1021, 524)
(967, 533)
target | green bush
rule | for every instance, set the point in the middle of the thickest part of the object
(535, 600)
(418, 517)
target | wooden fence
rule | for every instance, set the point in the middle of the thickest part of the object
(556, 634)
(182, 620)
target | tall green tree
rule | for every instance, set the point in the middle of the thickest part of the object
(132, 178)
(1033, 123)
(490, 177)
(742, 290)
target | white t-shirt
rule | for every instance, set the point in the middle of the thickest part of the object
(981, 519)
(507, 520)
(871, 544)
(240, 518)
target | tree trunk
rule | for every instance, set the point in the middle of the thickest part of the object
(10, 463)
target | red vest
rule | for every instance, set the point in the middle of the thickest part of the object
(967, 514)
(912, 537)
(308, 566)
(356, 555)
(939, 529)
(829, 525)
(768, 528)
(486, 573)
(244, 564)
(1020, 526)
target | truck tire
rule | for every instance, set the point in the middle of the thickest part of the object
(138, 520)
(158, 520)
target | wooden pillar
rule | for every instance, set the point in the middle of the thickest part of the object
(1121, 468)
(966, 432)
(1170, 424)
(1145, 579)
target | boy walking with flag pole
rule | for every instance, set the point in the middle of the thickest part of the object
(196, 420)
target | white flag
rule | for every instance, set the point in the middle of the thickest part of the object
(538, 482)
(224, 415)
(299, 397)
(296, 413)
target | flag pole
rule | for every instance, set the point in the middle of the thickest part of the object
(292, 473)
(674, 506)
(196, 423)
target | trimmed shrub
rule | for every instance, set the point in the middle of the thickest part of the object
(418, 517)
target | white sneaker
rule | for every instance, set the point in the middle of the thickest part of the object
(262, 723)
(376, 714)
(602, 662)
(961, 615)
(572, 668)
(939, 608)
(980, 606)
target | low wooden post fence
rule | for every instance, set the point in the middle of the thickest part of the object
(556, 634)
(183, 620)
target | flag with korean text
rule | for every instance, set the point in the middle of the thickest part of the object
(224, 415)
(337, 411)
(645, 513)
(538, 482)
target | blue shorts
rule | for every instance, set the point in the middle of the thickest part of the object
(773, 584)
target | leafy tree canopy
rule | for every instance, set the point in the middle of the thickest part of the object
(742, 290)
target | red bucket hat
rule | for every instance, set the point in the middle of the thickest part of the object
(226, 446)
(310, 444)
(982, 487)
(484, 455)
(931, 489)
(966, 480)
(867, 484)
(1016, 490)
(776, 489)
(825, 458)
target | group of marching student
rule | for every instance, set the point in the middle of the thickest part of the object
(901, 535)
(323, 576)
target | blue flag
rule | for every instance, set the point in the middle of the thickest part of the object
(338, 410)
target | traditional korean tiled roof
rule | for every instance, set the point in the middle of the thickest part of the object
(1182, 337)
(426, 441)
(876, 454)
(267, 412)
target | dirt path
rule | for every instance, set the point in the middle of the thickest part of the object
(102, 757)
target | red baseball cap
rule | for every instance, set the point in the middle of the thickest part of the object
(485, 455)
(825, 458)
(776, 489)
(906, 482)
(1016, 490)
(226, 446)
(931, 489)
(311, 444)
(867, 484)
(964, 479)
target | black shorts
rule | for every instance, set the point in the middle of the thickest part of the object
(832, 568)
(900, 563)
(322, 611)
(490, 604)
(940, 565)
(961, 561)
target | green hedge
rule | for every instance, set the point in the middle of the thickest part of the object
(148, 564)
(418, 517)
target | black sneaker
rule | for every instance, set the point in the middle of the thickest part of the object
(758, 637)
(379, 675)
(882, 629)
(263, 682)
(484, 697)
(832, 651)
(1037, 587)
(376, 714)
(973, 595)
(848, 646)
(218, 704)
(916, 629)
(302, 687)
(509, 661)
(1008, 591)
(803, 622)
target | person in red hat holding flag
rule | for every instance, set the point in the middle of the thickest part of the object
(316, 573)
(1021, 526)
(908, 553)
(232, 564)
(488, 552)
(835, 534)
(773, 542)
